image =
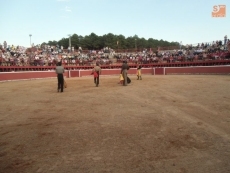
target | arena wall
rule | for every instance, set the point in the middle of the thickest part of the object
(109, 72)
(27, 75)
(197, 70)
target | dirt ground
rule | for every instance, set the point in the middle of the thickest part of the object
(171, 124)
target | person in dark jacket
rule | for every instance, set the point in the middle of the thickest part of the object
(59, 71)
(124, 69)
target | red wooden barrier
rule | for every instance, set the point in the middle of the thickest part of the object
(113, 72)
(74, 73)
(28, 75)
(198, 70)
(159, 71)
(4, 76)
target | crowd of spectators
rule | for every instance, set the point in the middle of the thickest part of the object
(50, 55)
(200, 52)
(45, 55)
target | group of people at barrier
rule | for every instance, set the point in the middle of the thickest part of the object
(20, 56)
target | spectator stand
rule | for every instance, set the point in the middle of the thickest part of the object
(45, 58)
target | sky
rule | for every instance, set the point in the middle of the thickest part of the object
(185, 21)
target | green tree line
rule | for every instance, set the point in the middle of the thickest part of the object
(95, 42)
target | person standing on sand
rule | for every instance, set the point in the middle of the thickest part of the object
(139, 72)
(59, 71)
(96, 72)
(124, 69)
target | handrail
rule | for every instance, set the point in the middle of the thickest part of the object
(116, 66)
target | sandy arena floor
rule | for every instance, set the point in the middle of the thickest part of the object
(162, 124)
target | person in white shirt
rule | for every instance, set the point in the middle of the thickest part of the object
(60, 71)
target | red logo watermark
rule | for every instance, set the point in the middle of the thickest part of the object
(219, 11)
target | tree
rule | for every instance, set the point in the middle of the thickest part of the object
(110, 40)
(74, 41)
